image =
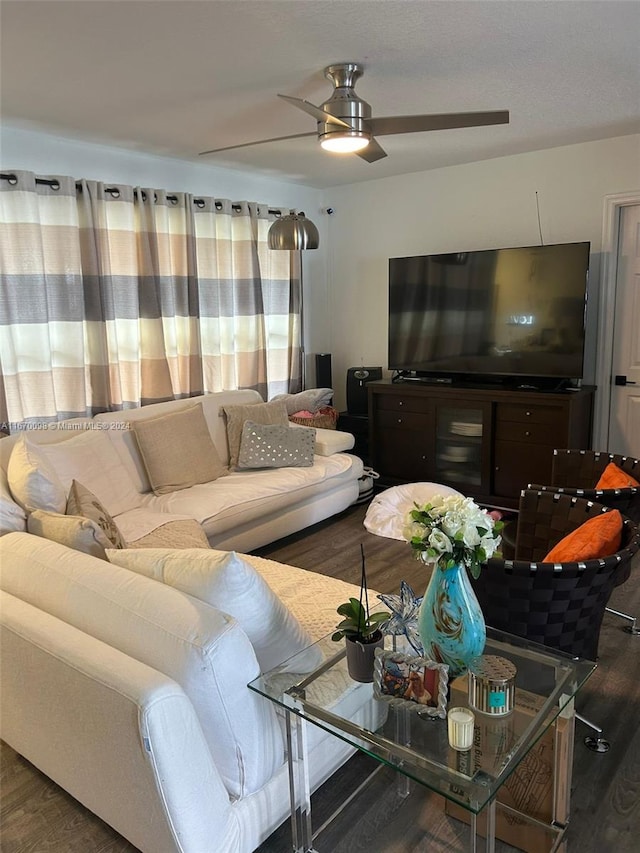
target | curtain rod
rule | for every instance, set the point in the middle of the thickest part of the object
(54, 184)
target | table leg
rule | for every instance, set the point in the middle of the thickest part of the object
(299, 788)
(403, 736)
(490, 838)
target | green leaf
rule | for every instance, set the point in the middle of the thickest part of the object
(337, 636)
(379, 617)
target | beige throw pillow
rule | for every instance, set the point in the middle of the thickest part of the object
(274, 412)
(77, 532)
(83, 502)
(178, 451)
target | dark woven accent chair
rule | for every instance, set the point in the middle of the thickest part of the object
(560, 605)
(575, 472)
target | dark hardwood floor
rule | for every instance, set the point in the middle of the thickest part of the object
(38, 817)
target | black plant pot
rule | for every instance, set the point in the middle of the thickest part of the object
(361, 656)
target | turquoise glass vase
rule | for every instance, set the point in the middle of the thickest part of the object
(450, 621)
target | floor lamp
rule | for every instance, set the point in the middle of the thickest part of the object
(293, 233)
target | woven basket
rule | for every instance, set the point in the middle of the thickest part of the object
(325, 418)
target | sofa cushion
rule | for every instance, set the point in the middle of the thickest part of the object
(260, 413)
(201, 648)
(226, 581)
(83, 502)
(598, 537)
(247, 496)
(274, 446)
(74, 531)
(177, 450)
(328, 441)
(33, 480)
(92, 459)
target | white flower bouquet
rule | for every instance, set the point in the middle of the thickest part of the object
(453, 530)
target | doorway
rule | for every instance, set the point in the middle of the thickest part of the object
(617, 416)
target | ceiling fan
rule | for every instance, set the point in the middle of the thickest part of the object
(345, 123)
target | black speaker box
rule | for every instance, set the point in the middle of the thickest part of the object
(323, 370)
(357, 395)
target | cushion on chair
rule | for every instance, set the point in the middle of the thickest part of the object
(596, 538)
(614, 477)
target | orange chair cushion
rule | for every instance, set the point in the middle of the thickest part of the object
(614, 477)
(599, 537)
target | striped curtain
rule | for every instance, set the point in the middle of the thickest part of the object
(113, 297)
(140, 295)
(249, 301)
(43, 351)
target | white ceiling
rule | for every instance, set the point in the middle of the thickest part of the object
(175, 77)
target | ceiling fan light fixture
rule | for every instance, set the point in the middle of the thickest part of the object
(293, 232)
(344, 143)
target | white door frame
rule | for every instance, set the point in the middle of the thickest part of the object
(613, 205)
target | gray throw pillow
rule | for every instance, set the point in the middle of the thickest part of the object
(275, 446)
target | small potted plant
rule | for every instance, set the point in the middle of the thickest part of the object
(361, 630)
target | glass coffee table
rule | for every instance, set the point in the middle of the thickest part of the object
(417, 748)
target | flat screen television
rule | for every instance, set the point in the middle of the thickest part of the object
(499, 314)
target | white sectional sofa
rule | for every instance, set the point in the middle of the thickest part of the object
(131, 693)
(242, 510)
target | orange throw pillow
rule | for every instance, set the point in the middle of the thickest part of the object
(614, 477)
(599, 537)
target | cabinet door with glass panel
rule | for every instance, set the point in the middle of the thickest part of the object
(462, 451)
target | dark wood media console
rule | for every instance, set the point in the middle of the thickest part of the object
(487, 443)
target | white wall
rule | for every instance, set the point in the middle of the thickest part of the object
(50, 155)
(476, 206)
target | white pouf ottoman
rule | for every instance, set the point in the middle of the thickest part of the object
(387, 511)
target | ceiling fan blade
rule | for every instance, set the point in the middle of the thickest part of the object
(374, 151)
(258, 142)
(438, 121)
(314, 111)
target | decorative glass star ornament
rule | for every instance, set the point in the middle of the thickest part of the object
(404, 616)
